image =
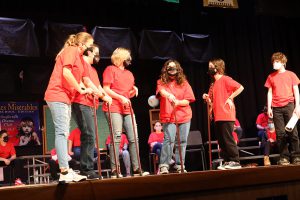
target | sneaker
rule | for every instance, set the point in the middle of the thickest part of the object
(139, 173)
(178, 169)
(233, 165)
(66, 177)
(19, 182)
(163, 170)
(222, 166)
(91, 175)
(283, 161)
(76, 177)
(296, 161)
(114, 174)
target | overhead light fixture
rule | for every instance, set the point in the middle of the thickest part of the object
(221, 3)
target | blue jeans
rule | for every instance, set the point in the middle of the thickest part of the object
(157, 149)
(169, 141)
(118, 122)
(61, 115)
(84, 117)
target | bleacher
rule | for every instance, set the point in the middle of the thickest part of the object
(249, 152)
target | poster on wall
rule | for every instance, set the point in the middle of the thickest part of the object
(21, 120)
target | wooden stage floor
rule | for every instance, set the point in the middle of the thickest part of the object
(263, 183)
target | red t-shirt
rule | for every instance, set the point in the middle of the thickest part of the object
(7, 151)
(123, 141)
(75, 137)
(271, 135)
(262, 119)
(121, 82)
(181, 92)
(156, 137)
(88, 99)
(58, 89)
(221, 90)
(282, 87)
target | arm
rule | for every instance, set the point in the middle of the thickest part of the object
(114, 95)
(296, 95)
(67, 74)
(70, 144)
(97, 90)
(269, 99)
(229, 101)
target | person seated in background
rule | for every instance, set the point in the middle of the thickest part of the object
(74, 144)
(156, 139)
(123, 151)
(8, 157)
(262, 122)
(268, 142)
(238, 129)
(54, 167)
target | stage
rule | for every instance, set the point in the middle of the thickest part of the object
(282, 182)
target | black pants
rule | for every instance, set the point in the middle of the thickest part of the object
(281, 116)
(229, 151)
(17, 168)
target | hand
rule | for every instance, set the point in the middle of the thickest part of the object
(229, 101)
(270, 112)
(125, 101)
(171, 98)
(6, 161)
(71, 153)
(206, 98)
(107, 99)
(297, 111)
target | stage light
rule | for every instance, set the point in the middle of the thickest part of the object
(221, 3)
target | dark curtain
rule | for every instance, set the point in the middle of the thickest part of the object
(57, 34)
(110, 38)
(17, 38)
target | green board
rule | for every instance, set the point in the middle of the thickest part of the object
(103, 130)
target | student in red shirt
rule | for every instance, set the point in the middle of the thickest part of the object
(262, 122)
(118, 82)
(123, 151)
(220, 97)
(65, 80)
(8, 156)
(156, 139)
(175, 95)
(268, 142)
(83, 109)
(283, 101)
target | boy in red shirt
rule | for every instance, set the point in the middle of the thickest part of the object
(175, 95)
(220, 97)
(283, 101)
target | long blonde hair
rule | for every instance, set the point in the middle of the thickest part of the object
(75, 40)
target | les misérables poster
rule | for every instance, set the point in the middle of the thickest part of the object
(21, 120)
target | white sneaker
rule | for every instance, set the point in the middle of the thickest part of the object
(163, 170)
(77, 177)
(233, 165)
(222, 166)
(66, 178)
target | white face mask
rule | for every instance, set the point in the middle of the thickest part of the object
(277, 65)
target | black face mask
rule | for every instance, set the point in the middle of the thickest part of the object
(172, 71)
(127, 62)
(5, 139)
(96, 59)
(212, 71)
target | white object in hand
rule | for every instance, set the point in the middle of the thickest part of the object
(153, 101)
(292, 123)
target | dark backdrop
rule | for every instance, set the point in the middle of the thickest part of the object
(245, 38)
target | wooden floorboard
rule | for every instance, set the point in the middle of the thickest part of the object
(236, 184)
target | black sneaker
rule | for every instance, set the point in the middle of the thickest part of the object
(91, 175)
(140, 173)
